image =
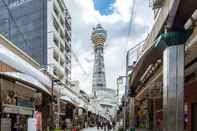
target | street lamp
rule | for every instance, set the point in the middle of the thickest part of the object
(120, 80)
(60, 83)
(53, 81)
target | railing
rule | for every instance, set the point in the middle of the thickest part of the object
(136, 53)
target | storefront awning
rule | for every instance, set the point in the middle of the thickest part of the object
(11, 59)
(156, 52)
(26, 79)
(66, 98)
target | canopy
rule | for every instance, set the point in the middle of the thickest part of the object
(16, 62)
(29, 80)
(66, 98)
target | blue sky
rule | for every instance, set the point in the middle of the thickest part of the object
(104, 6)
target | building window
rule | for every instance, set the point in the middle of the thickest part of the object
(99, 84)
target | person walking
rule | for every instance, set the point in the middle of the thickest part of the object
(98, 124)
(108, 126)
(105, 125)
(114, 125)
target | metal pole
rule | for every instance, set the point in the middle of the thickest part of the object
(126, 92)
(58, 104)
(52, 114)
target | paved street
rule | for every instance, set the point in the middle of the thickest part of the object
(93, 129)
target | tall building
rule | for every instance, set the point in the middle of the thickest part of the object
(98, 39)
(41, 28)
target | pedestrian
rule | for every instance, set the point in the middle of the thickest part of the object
(114, 124)
(105, 125)
(101, 124)
(97, 124)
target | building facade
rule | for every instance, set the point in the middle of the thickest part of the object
(42, 29)
(164, 78)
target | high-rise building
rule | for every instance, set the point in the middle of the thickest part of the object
(98, 38)
(41, 28)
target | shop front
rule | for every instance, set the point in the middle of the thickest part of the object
(19, 102)
(190, 116)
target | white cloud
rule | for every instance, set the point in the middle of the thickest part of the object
(84, 17)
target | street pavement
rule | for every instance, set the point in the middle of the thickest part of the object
(93, 129)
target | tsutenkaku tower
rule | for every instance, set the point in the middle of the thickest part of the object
(98, 39)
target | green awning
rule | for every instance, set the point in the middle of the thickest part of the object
(172, 38)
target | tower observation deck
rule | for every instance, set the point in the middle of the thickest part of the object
(98, 39)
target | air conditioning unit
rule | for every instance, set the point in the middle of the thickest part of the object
(156, 4)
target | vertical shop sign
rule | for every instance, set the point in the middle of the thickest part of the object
(38, 121)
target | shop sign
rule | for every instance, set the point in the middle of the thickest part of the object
(17, 110)
(155, 92)
(38, 120)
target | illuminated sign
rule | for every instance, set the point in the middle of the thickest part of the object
(18, 3)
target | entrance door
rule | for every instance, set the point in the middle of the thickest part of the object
(194, 117)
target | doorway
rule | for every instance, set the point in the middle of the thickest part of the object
(194, 117)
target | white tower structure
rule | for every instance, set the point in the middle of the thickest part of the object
(98, 39)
